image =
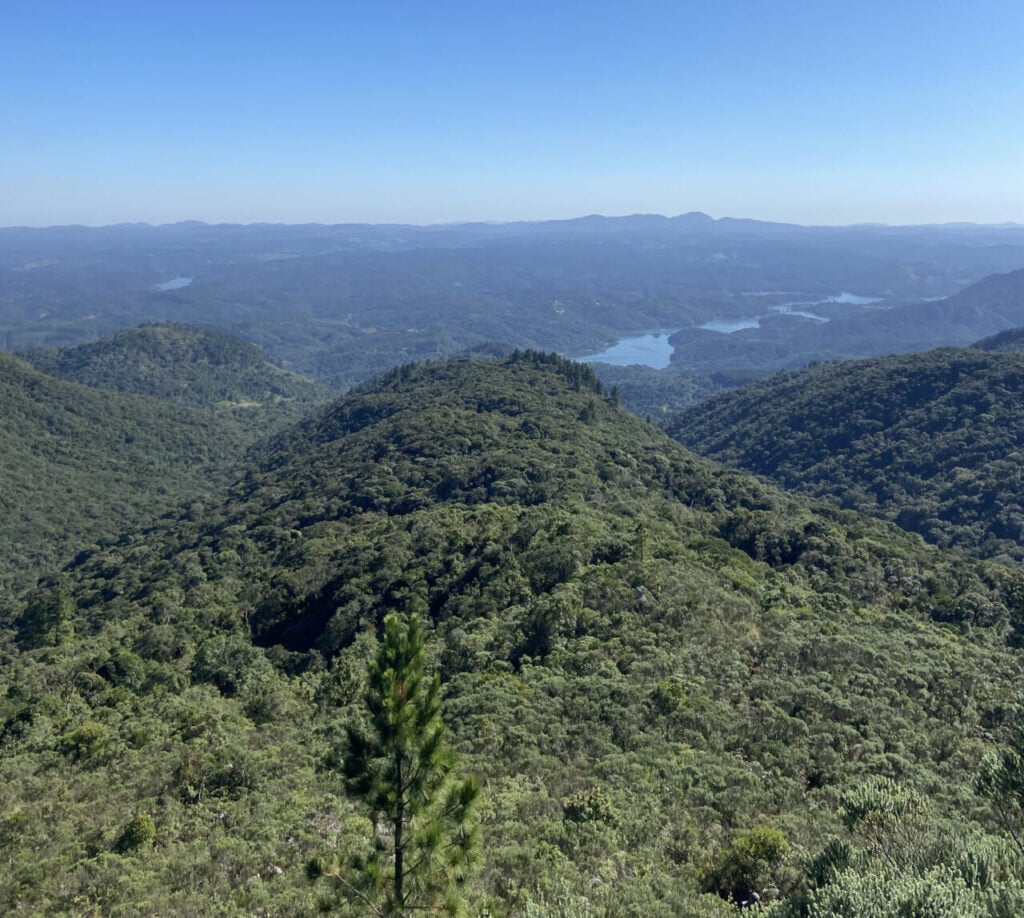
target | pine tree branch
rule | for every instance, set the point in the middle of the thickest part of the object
(336, 875)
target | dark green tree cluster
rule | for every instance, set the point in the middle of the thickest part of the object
(82, 466)
(655, 394)
(92, 449)
(192, 366)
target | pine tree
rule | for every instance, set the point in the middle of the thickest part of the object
(401, 768)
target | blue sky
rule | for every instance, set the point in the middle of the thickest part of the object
(810, 111)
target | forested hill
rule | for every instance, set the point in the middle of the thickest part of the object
(80, 466)
(677, 684)
(999, 297)
(933, 441)
(786, 341)
(181, 363)
(1010, 340)
(654, 394)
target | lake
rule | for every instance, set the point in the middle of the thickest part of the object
(175, 283)
(852, 299)
(651, 350)
(654, 350)
(728, 326)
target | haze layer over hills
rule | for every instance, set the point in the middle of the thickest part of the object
(341, 303)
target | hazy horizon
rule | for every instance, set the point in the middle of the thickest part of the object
(456, 112)
(459, 223)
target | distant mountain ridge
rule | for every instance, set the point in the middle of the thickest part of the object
(343, 303)
(991, 305)
(692, 219)
(1010, 340)
(783, 342)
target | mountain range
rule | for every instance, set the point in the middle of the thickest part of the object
(679, 684)
(790, 680)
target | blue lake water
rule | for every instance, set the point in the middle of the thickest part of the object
(652, 350)
(728, 326)
(852, 299)
(791, 310)
(175, 283)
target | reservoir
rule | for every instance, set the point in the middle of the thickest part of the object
(728, 326)
(175, 283)
(651, 350)
(852, 299)
(654, 350)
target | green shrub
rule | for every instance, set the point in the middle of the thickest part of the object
(139, 833)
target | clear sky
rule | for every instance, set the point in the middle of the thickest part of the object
(810, 111)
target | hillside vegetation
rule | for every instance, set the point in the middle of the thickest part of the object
(676, 684)
(181, 363)
(932, 441)
(654, 394)
(1010, 340)
(83, 462)
(81, 466)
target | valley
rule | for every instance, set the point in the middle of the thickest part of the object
(511, 460)
(677, 685)
(340, 304)
(654, 349)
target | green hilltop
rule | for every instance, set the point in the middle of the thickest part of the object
(81, 466)
(181, 363)
(1010, 340)
(106, 437)
(677, 684)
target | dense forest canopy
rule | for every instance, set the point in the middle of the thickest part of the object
(932, 441)
(1012, 339)
(677, 684)
(91, 446)
(80, 466)
(181, 363)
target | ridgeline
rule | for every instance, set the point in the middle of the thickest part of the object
(677, 684)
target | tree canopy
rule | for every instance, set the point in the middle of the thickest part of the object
(671, 678)
(930, 441)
